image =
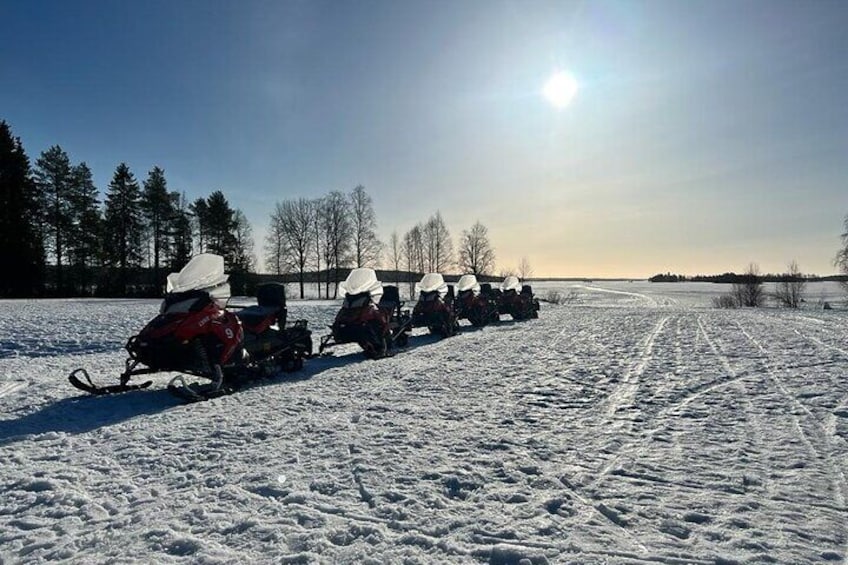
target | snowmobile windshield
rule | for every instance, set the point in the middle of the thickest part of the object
(204, 272)
(357, 300)
(468, 282)
(428, 296)
(433, 282)
(363, 280)
(185, 302)
(511, 283)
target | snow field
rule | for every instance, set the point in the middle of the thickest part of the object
(632, 425)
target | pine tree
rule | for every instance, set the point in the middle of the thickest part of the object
(158, 212)
(53, 177)
(180, 234)
(86, 236)
(123, 224)
(21, 244)
(220, 227)
(242, 259)
(200, 221)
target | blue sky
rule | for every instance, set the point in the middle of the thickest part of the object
(704, 135)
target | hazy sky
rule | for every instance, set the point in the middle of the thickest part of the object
(704, 135)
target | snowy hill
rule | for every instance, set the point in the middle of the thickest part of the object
(635, 424)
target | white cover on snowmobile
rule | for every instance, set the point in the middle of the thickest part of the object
(431, 282)
(468, 282)
(511, 283)
(363, 280)
(203, 272)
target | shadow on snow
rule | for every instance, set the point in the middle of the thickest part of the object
(85, 413)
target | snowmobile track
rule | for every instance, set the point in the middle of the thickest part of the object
(10, 387)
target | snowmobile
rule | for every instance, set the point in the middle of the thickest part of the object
(518, 300)
(494, 299)
(196, 334)
(371, 315)
(470, 304)
(434, 309)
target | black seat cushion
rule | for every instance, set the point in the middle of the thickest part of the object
(271, 295)
(252, 316)
(390, 298)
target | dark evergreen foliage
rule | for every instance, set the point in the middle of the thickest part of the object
(53, 178)
(123, 227)
(21, 243)
(85, 244)
(179, 252)
(158, 210)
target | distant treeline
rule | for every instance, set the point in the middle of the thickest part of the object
(58, 238)
(734, 278)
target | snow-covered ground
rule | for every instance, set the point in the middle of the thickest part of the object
(634, 424)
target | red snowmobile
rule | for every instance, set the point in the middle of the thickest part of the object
(471, 305)
(371, 316)
(195, 334)
(518, 300)
(494, 301)
(435, 307)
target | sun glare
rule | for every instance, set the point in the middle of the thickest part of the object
(560, 89)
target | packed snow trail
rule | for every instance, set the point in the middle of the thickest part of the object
(610, 430)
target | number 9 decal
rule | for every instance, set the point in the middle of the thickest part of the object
(229, 333)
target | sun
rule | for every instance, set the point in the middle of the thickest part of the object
(560, 89)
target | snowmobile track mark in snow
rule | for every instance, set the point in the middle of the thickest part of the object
(12, 386)
(838, 476)
(626, 391)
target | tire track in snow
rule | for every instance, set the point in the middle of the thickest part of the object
(621, 396)
(625, 392)
(8, 388)
(821, 343)
(651, 301)
(822, 436)
(662, 417)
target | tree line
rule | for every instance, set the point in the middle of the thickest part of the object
(58, 239)
(338, 231)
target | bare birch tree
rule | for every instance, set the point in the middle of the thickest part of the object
(275, 242)
(437, 244)
(749, 290)
(476, 255)
(296, 218)
(841, 260)
(413, 251)
(336, 236)
(395, 254)
(525, 270)
(790, 291)
(363, 220)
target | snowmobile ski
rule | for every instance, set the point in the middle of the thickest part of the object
(91, 388)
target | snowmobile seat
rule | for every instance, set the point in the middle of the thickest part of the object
(257, 319)
(271, 308)
(486, 289)
(271, 295)
(450, 296)
(390, 299)
(526, 290)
